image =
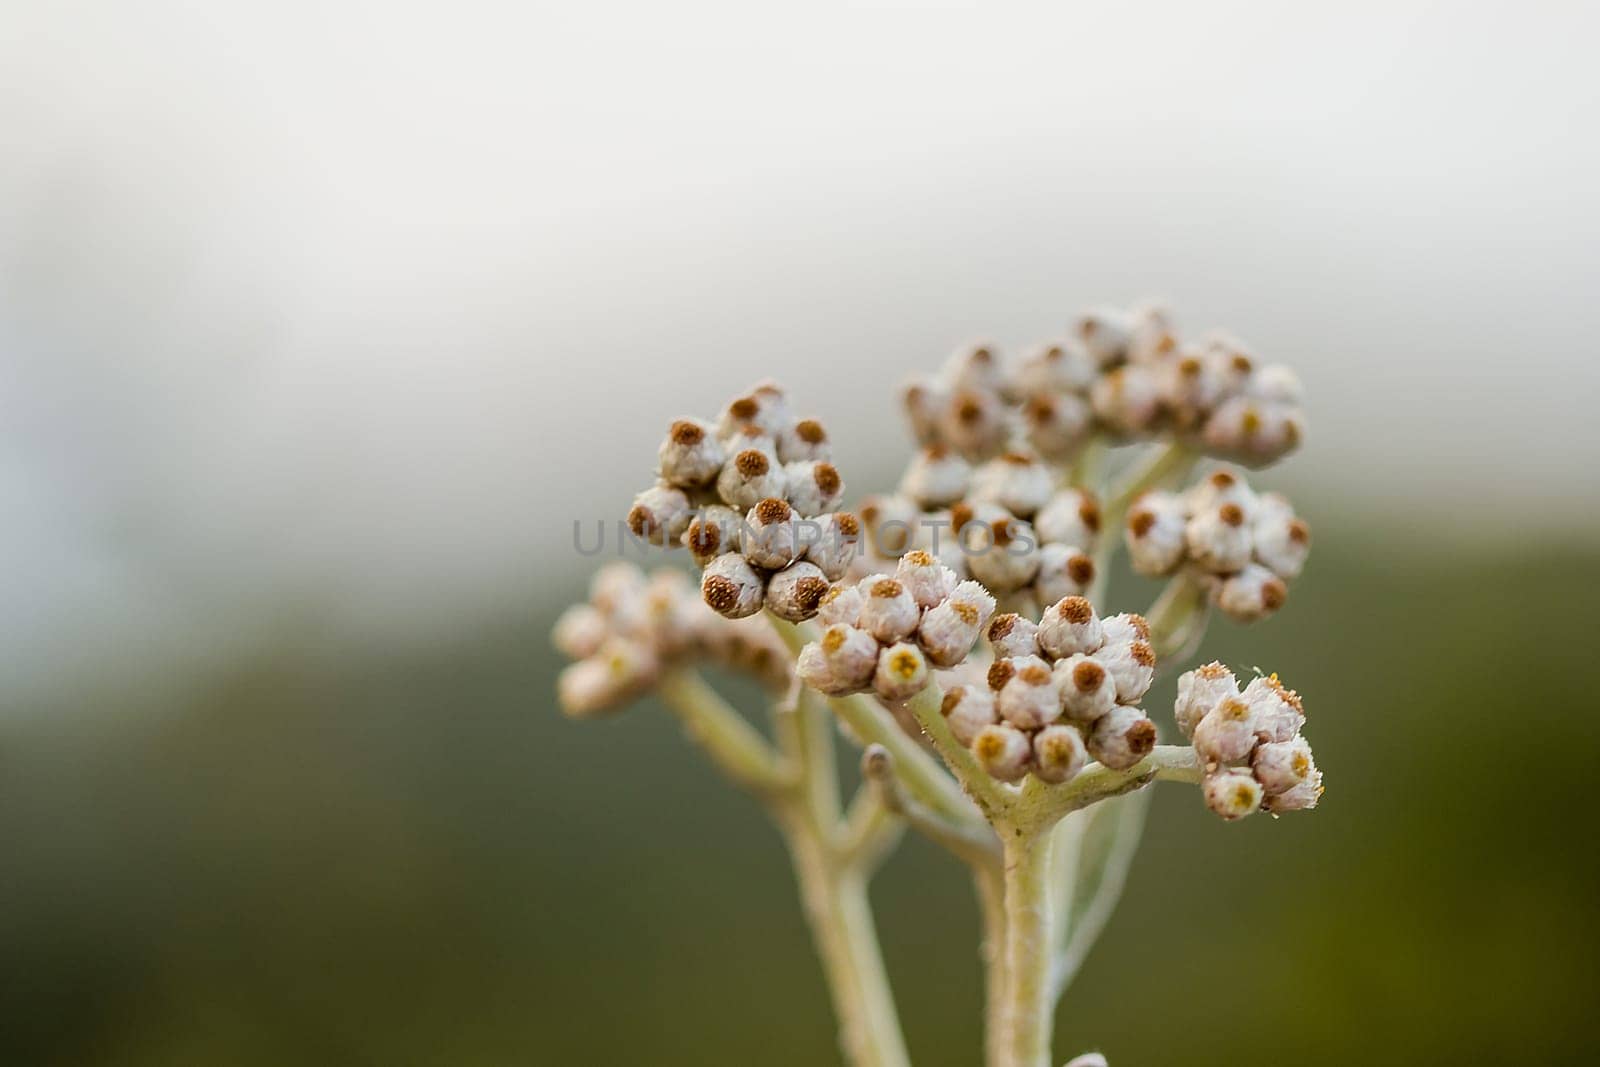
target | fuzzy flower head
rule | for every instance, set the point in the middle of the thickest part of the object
(635, 625)
(1249, 742)
(1244, 546)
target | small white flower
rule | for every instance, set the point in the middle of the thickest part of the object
(1012, 635)
(1069, 517)
(890, 523)
(749, 477)
(1282, 541)
(580, 631)
(771, 539)
(1275, 709)
(813, 486)
(1002, 553)
(795, 592)
(925, 578)
(1004, 751)
(1302, 797)
(1105, 333)
(834, 543)
(1156, 526)
(936, 477)
(1063, 366)
(968, 709)
(1125, 628)
(764, 408)
(973, 367)
(851, 655)
(1222, 486)
(1281, 765)
(902, 672)
(973, 422)
(812, 668)
(842, 603)
(1070, 626)
(732, 587)
(1252, 594)
(1276, 383)
(660, 514)
(803, 439)
(1088, 691)
(1219, 538)
(1016, 481)
(888, 611)
(1063, 571)
(1029, 699)
(1199, 691)
(1227, 733)
(1132, 666)
(1232, 793)
(712, 531)
(1057, 424)
(691, 455)
(1128, 399)
(1058, 754)
(1122, 737)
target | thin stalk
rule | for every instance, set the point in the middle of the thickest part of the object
(990, 885)
(1030, 1008)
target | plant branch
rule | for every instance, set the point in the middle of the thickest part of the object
(736, 747)
(976, 845)
(870, 829)
(991, 797)
(1158, 467)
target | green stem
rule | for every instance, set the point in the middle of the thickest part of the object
(1030, 1008)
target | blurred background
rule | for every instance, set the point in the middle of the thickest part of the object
(321, 324)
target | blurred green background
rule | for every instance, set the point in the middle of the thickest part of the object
(336, 859)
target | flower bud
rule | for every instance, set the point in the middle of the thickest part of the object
(1276, 383)
(1275, 709)
(1253, 593)
(887, 610)
(614, 586)
(842, 603)
(1070, 517)
(1199, 691)
(1125, 628)
(1282, 543)
(1088, 1059)
(949, 629)
(803, 439)
(833, 546)
(1088, 691)
(1232, 794)
(924, 406)
(814, 487)
(1132, 666)
(1281, 765)
(1056, 367)
(732, 587)
(890, 523)
(691, 455)
(973, 422)
(1004, 751)
(1003, 553)
(925, 578)
(974, 367)
(771, 538)
(1301, 797)
(580, 631)
(1105, 333)
(968, 709)
(1156, 528)
(1016, 481)
(1219, 539)
(1058, 754)
(584, 689)
(902, 672)
(1057, 424)
(713, 531)
(1226, 733)
(1253, 431)
(1013, 635)
(795, 592)
(936, 477)
(1070, 626)
(1030, 699)
(763, 408)
(1128, 399)
(1063, 572)
(812, 669)
(1222, 486)
(851, 655)
(660, 514)
(750, 477)
(1122, 737)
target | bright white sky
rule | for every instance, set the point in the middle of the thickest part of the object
(358, 305)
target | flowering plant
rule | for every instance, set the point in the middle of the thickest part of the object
(953, 631)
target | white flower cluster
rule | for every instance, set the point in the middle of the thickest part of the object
(1255, 758)
(635, 625)
(1247, 546)
(755, 500)
(1002, 521)
(1059, 691)
(886, 634)
(1124, 373)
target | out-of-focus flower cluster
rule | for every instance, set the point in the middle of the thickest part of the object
(887, 634)
(1059, 691)
(634, 626)
(1126, 374)
(1247, 546)
(1003, 522)
(755, 500)
(1249, 741)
